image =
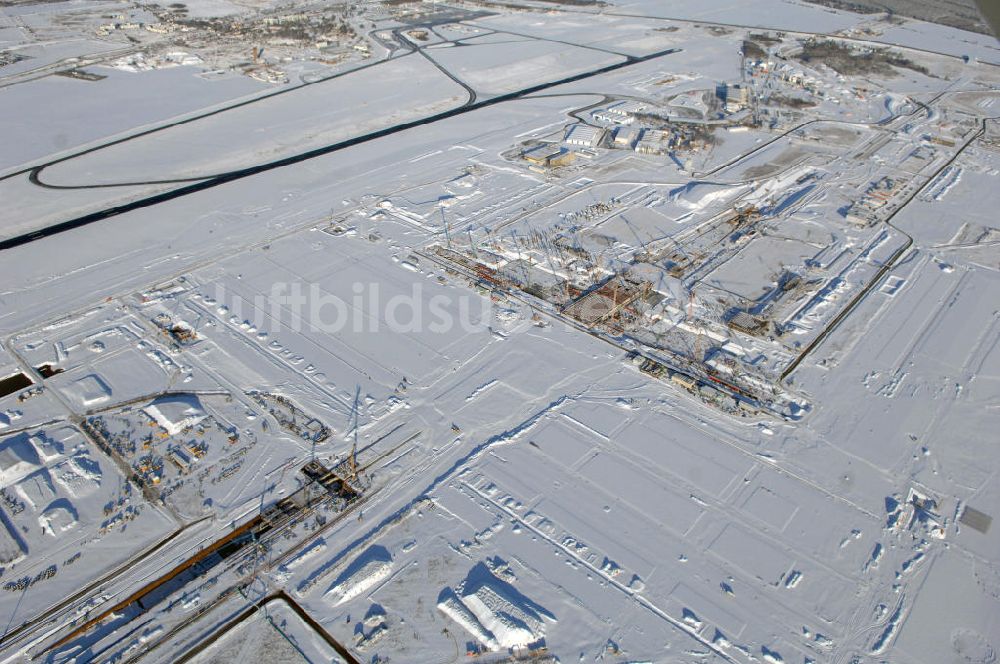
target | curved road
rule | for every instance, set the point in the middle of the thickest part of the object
(400, 41)
(230, 176)
(199, 116)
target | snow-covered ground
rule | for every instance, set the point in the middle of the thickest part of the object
(36, 125)
(432, 397)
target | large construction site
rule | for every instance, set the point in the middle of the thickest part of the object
(547, 332)
(643, 299)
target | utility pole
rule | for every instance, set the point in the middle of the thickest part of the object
(690, 316)
(444, 220)
(472, 245)
(354, 448)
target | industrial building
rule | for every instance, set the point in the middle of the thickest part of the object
(561, 158)
(625, 137)
(626, 108)
(734, 96)
(612, 118)
(539, 154)
(549, 155)
(653, 141)
(620, 113)
(583, 135)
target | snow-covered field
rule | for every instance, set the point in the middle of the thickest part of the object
(312, 117)
(483, 390)
(36, 125)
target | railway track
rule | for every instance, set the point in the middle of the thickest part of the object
(19, 634)
(257, 532)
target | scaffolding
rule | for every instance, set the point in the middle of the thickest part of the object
(608, 301)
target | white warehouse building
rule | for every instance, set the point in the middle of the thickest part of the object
(584, 135)
(627, 108)
(612, 118)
